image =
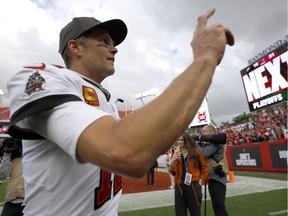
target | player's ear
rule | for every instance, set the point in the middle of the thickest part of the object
(74, 47)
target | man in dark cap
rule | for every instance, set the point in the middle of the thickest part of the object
(75, 146)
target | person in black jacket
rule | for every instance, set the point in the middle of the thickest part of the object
(150, 174)
(218, 168)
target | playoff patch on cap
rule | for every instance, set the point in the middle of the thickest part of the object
(79, 25)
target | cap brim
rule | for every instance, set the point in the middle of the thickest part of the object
(116, 28)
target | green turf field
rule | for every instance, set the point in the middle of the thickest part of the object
(256, 204)
(3, 190)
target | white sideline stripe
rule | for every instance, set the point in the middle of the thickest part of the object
(241, 186)
(278, 212)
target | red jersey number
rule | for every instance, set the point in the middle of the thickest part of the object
(103, 192)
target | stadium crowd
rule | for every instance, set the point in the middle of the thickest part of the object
(269, 125)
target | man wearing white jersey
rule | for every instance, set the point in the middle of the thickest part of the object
(75, 146)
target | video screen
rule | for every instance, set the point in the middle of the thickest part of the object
(265, 81)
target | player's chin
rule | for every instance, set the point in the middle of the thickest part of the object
(111, 68)
(108, 68)
(112, 71)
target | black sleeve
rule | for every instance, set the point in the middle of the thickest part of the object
(34, 107)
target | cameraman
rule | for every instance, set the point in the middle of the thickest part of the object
(218, 168)
(11, 166)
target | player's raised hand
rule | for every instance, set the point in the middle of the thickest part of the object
(210, 41)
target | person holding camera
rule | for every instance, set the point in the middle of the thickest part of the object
(218, 168)
(189, 168)
(11, 166)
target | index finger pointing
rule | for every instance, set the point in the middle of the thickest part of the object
(203, 19)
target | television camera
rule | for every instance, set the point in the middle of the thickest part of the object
(219, 138)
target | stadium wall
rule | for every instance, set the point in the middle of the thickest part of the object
(262, 156)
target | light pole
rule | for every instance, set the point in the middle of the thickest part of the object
(153, 92)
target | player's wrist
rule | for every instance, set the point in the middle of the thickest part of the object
(207, 61)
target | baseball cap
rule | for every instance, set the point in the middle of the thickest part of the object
(79, 25)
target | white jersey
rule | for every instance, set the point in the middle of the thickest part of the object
(55, 182)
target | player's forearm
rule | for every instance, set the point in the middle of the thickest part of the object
(168, 115)
(129, 146)
(150, 131)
